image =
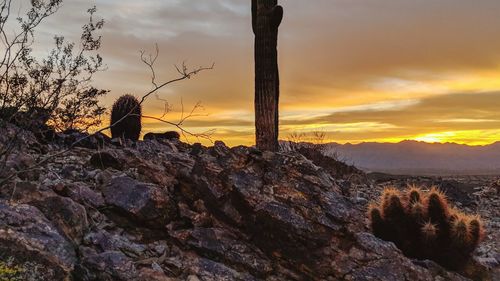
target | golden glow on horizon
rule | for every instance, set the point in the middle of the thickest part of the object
(357, 83)
(341, 132)
(472, 137)
(432, 138)
(479, 82)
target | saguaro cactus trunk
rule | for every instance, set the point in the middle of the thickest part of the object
(266, 18)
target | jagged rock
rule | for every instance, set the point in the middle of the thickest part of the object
(145, 203)
(174, 211)
(208, 270)
(69, 217)
(24, 191)
(81, 193)
(19, 139)
(458, 192)
(285, 212)
(196, 149)
(105, 241)
(112, 266)
(20, 163)
(156, 171)
(369, 258)
(35, 120)
(104, 160)
(170, 135)
(26, 235)
(78, 139)
(202, 219)
(293, 212)
(336, 168)
(153, 173)
(103, 178)
(152, 274)
(219, 150)
(223, 246)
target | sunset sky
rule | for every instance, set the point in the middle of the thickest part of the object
(358, 70)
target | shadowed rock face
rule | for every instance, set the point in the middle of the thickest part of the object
(170, 135)
(142, 203)
(221, 213)
(27, 235)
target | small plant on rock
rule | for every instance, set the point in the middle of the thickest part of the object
(424, 226)
(126, 118)
(10, 272)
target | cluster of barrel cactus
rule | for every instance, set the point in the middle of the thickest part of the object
(424, 226)
(126, 118)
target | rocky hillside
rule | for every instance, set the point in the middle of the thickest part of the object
(420, 158)
(166, 210)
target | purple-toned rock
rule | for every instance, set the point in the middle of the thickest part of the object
(103, 160)
(226, 247)
(165, 210)
(146, 204)
(81, 193)
(69, 217)
(110, 265)
(209, 270)
(27, 236)
(170, 135)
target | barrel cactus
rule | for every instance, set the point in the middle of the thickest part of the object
(425, 226)
(126, 118)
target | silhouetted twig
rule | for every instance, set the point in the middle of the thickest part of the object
(185, 73)
(183, 70)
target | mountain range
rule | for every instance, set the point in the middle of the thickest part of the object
(420, 158)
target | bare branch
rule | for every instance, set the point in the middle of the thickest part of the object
(185, 74)
(150, 61)
(166, 105)
(207, 135)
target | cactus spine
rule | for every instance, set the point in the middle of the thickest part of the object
(475, 231)
(126, 118)
(425, 226)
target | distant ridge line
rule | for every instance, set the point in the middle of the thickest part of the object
(420, 158)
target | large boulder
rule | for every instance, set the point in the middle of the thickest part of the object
(145, 204)
(225, 247)
(27, 235)
(290, 212)
(105, 266)
(69, 217)
(104, 160)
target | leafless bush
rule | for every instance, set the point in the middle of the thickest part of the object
(297, 137)
(184, 73)
(297, 140)
(318, 137)
(54, 90)
(58, 85)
